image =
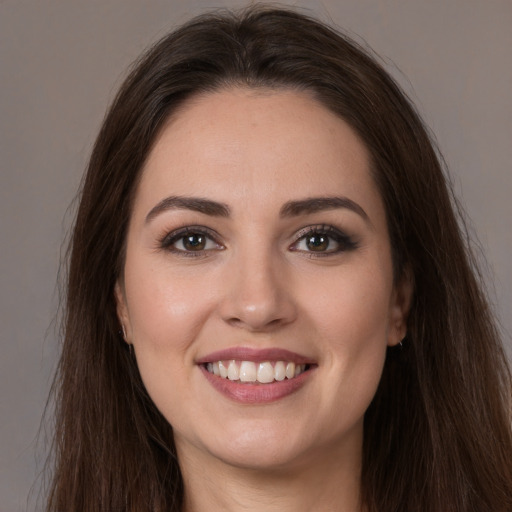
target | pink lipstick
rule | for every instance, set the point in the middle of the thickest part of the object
(254, 376)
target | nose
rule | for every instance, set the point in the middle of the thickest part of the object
(258, 296)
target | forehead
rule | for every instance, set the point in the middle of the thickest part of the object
(256, 147)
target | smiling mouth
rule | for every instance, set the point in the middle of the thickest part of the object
(250, 372)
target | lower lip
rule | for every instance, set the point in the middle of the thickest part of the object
(249, 393)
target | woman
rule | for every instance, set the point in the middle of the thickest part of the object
(270, 302)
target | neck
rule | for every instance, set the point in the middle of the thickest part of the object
(326, 482)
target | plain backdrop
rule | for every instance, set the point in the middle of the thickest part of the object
(60, 65)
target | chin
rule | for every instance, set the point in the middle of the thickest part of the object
(261, 446)
(253, 456)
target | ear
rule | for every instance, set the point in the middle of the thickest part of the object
(399, 308)
(122, 311)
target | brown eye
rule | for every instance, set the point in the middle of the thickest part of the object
(194, 242)
(317, 242)
(191, 241)
(323, 240)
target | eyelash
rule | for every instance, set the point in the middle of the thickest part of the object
(344, 242)
(170, 239)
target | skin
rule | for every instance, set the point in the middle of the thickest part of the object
(258, 284)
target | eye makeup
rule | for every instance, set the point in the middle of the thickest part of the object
(323, 240)
(191, 241)
(319, 240)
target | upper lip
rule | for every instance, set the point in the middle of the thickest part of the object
(255, 355)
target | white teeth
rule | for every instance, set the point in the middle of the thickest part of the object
(248, 371)
(265, 373)
(290, 370)
(279, 371)
(233, 371)
(223, 370)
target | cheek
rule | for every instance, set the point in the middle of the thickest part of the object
(165, 310)
(351, 319)
(352, 308)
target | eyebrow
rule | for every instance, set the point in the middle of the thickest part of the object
(289, 209)
(317, 204)
(197, 204)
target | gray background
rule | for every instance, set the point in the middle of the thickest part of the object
(60, 64)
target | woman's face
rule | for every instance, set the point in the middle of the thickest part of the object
(258, 240)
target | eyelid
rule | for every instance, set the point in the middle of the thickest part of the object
(345, 242)
(169, 238)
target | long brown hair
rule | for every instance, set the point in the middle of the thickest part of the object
(438, 432)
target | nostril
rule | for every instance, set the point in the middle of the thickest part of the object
(235, 322)
(255, 326)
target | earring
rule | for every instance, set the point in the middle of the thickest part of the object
(131, 350)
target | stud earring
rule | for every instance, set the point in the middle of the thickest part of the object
(131, 350)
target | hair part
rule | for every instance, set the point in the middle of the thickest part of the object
(437, 434)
